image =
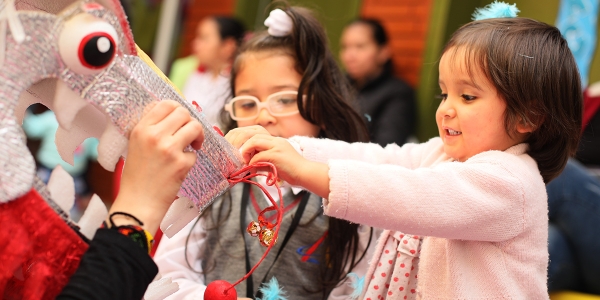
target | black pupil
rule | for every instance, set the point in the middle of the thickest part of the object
(93, 55)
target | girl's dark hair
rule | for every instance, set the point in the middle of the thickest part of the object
(230, 28)
(530, 65)
(379, 34)
(329, 104)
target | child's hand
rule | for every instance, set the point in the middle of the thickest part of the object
(238, 136)
(255, 146)
(156, 163)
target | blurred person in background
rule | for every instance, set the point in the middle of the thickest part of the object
(216, 43)
(387, 102)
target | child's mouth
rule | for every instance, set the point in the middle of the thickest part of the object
(453, 132)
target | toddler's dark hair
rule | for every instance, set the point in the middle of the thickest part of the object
(530, 65)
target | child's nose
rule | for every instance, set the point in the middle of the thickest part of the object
(264, 117)
(447, 109)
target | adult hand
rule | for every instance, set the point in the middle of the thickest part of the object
(156, 163)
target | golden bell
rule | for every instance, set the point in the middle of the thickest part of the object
(266, 237)
(253, 228)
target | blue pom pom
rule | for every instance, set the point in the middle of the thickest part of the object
(272, 291)
(358, 283)
(497, 9)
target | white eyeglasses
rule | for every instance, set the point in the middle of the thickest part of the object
(279, 104)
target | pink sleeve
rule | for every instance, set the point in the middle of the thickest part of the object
(476, 200)
(322, 150)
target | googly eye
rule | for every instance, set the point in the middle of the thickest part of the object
(87, 45)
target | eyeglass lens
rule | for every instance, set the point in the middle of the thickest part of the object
(281, 104)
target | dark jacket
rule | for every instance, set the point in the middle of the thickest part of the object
(589, 146)
(114, 267)
(389, 107)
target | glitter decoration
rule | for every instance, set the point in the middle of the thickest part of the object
(118, 94)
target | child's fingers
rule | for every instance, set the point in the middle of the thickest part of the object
(190, 134)
(256, 143)
(237, 137)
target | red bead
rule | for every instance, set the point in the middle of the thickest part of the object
(267, 237)
(220, 290)
(253, 228)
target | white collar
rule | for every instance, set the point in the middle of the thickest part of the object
(285, 187)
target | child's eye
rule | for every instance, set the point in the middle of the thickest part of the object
(442, 97)
(286, 101)
(468, 97)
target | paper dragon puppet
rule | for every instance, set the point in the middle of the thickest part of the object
(79, 59)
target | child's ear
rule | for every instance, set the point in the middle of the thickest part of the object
(526, 125)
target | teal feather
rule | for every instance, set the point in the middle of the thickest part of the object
(272, 291)
(496, 9)
(358, 284)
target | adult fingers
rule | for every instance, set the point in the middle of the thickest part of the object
(174, 121)
(190, 134)
(154, 113)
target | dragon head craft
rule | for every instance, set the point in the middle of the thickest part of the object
(79, 59)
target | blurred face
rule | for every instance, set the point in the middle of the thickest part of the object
(207, 44)
(360, 54)
(470, 117)
(263, 74)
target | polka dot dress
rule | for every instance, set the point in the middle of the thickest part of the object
(395, 276)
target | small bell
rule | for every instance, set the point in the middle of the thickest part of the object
(253, 229)
(266, 237)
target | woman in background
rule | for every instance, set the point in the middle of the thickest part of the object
(387, 102)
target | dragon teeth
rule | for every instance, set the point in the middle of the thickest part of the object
(66, 105)
(112, 145)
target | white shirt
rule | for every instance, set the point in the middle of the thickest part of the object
(208, 92)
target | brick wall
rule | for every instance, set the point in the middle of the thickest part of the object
(406, 22)
(196, 11)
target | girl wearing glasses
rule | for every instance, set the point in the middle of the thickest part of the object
(286, 81)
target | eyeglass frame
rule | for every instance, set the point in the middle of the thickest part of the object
(260, 105)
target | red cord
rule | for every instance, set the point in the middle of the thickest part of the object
(244, 175)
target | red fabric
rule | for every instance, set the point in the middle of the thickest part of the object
(157, 238)
(591, 105)
(117, 178)
(39, 252)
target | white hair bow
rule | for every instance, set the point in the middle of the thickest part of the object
(279, 23)
(8, 14)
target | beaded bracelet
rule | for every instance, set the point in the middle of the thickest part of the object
(135, 232)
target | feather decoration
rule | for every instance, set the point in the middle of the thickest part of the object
(272, 291)
(358, 284)
(496, 9)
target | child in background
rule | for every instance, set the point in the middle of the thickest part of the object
(216, 43)
(509, 118)
(286, 81)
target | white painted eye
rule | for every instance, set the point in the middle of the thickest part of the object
(87, 44)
